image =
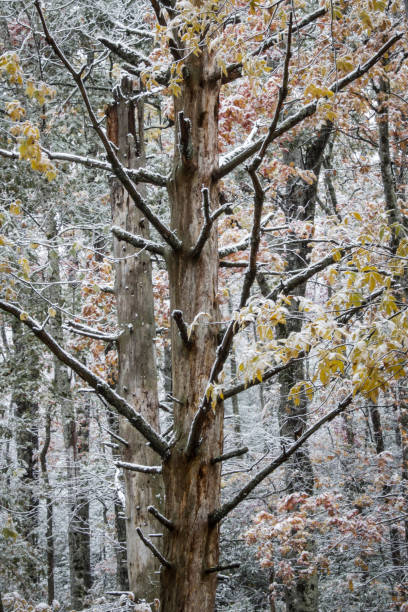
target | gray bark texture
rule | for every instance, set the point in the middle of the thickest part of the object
(137, 363)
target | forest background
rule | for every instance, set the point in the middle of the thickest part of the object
(203, 302)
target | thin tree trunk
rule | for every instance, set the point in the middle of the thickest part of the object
(78, 527)
(26, 412)
(80, 536)
(120, 519)
(394, 218)
(299, 203)
(49, 535)
(137, 362)
(234, 399)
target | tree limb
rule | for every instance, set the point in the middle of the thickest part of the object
(141, 175)
(162, 519)
(137, 241)
(208, 222)
(98, 384)
(152, 547)
(243, 153)
(124, 52)
(134, 467)
(117, 167)
(216, 516)
(234, 453)
(182, 327)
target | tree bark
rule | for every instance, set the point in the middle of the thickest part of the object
(26, 412)
(78, 504)
(137, 363)
(192, 483)
(298, 203)
(49, 533)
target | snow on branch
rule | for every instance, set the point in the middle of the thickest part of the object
(137, 241)
(134, 467)
(141, 175)
(101, 387)
(233, 159)
(117, 168)
(216, 516)
(126, 53)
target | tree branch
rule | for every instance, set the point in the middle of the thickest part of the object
(255, 239)
(285, 287)
(152, 547)
(241, 246)
(117, 167)
(283, 92)
(232, 160)
(270, 373)
(216, 516)
(126, 53)
(137, 241)
(234, 71)
(235, 453)
(162, 519)
(90, 332)
(208, 222)
(221, 568)
(98, 384)
(134, 467)
(182, 327)
(141, 175)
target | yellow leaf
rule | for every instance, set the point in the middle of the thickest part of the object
(23, 316)
(336, 255)
(52, 312)
(30, 89)
(15, 208)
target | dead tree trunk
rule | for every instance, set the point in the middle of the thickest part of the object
(137, 363)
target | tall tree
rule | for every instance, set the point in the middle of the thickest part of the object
(197, 44)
